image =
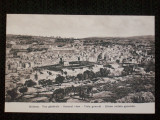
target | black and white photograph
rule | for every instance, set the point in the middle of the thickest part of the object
(80, 59)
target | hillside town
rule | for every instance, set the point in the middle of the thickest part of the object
(55, 69)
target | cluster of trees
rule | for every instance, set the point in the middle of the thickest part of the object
(30, 83)
(64, 40)
(12, 93)
(86, 75)
(59, 79)
(127, 70)
(44, 82)
(90, 74)
(15, 92)
(23, 89)
(36, 49)
(146, 85)
(150, 66)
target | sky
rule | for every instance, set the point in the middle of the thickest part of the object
(80, 26)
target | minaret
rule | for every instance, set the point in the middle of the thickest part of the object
(103, 55)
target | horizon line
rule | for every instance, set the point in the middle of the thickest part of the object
(81, 37)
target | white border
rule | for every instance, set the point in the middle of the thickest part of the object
(135, 108)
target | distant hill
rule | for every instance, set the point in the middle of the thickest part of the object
(148, 39)
(27, 39)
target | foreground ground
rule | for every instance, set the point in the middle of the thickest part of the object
(126, 89)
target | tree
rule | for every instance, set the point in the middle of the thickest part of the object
(117, 61)
(124, 73)
(65, 73)
(128, 70)
(104, 72)
(30, 83)
(80, 76)
(44, 82)
(49, 82)
(99, 56)
(150, 66)
(107, 72)
(36, 76)
(86, 74)
(49, 73)
(98, 74)
(23, 90)
(59, 79)
(12, 93)
(92, 75)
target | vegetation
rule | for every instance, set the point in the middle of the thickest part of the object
(136, 90)
(44, 82)
(127, 70)
(12, 93)
(150, 67)
(104, 72)
(59, 79)
(30, 83)
(80, 76)
(23, 90)
(91, 75)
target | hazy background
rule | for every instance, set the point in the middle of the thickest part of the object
(79, 26)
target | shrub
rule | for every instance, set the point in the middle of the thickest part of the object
(59, 79)
(98, 74)
(23, 90)
(88, 75)
(30, 83)
(80, 76)
(44, 82)
(12, 93)
(121, 92)
(150, 67)
(140, 97)
(104, 72)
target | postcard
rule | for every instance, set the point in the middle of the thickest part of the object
(80, 64)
